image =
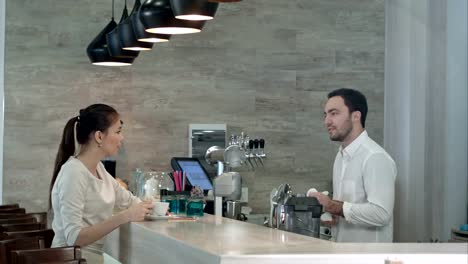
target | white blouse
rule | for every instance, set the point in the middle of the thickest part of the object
(79, 200)
(364, 179)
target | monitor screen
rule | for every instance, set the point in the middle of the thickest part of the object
(109, 165)
(196, 175)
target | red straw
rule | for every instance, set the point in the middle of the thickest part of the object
(184, 181)
(179, 174)
(180, 180)
(176, 180)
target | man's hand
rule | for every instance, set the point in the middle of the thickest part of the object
(323, 199)
(329, 205)
(330, 222)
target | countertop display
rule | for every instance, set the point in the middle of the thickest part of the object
(213, 239)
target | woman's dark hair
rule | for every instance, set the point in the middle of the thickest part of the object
(96, 117)
(354, 100)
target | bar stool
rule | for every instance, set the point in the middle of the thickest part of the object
(19, 220)
(6, 246)
(13, 211)
(60, 255)
(76, 261)
(41, 217)
(5, 206)
(21, 227)
(48, 235)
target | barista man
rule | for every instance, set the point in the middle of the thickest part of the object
(363, 174)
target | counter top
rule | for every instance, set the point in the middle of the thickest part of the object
(213, 239)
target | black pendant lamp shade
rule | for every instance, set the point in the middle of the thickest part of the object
(157, 17)
(142, 35)
(128, 40)
(113, 41)
(98, 53)
(194, 9)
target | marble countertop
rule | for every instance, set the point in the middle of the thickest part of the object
(214, 239)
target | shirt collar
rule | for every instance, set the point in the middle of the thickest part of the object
(351, 149)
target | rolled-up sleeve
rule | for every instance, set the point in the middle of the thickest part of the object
(123, 197)
(72, 193)
(379, 173)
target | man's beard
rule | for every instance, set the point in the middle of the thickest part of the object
(341, 135)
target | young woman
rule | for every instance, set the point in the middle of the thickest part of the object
(82, 193)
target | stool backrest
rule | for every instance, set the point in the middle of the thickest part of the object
(41, 217)
(60, 254)
(47, 234)
(18, 220)
(75, 261)
(12, 211)
(6, 246)
(4, 206)
(21, 227)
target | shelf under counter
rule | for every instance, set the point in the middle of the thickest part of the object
(213, 239)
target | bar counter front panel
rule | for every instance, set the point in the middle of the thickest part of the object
(213, 239)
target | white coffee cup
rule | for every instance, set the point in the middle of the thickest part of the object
(160, 208)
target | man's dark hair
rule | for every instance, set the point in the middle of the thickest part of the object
(354, 100)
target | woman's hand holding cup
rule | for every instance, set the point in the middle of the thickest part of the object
(138, 211)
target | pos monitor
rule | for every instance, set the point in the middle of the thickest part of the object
(196, 174)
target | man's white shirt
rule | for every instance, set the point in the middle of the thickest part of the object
(364, 179)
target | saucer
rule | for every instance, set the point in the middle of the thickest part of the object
(158, 217)
(169, 217)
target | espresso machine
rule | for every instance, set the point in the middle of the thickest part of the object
(227, 184)
(295, 213)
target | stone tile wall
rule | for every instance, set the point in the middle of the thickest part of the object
(262, 66)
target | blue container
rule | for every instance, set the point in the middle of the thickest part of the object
(177, 201)
(173, 203)
(464, 227)
(195, 207)
(182, 204)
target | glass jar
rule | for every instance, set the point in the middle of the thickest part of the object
(150, 186)
(136, 181)
(165, 182)
(152, 182)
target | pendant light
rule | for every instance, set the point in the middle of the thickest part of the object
(142, 35)
(97, 50)
(194, 9)
(157, 16)
(128, 40)
(113, 40)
